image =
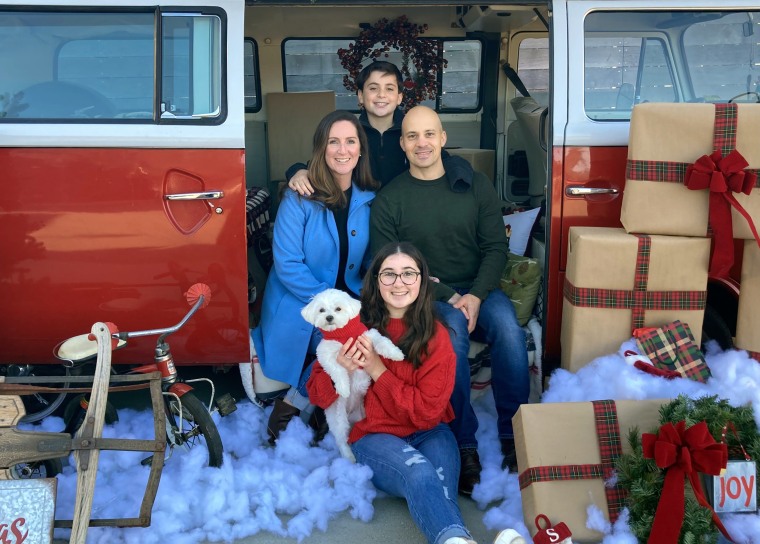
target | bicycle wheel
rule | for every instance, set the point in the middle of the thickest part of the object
(74, 408)
(38, 469)
(40, 405)
(197, 427)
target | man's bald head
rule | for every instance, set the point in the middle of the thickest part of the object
(422, 139)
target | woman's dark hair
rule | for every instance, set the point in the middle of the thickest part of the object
(383, 67)
(326, 189)
(419, 317)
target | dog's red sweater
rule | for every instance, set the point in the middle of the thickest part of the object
(403, 400)
(353, 329)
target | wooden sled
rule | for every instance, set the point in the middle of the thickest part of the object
(17, 446)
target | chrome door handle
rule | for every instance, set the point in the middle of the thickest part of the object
(584, 191)
(208, 195)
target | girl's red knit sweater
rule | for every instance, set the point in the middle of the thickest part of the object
(402, 400)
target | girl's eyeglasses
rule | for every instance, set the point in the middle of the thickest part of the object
(408, 277)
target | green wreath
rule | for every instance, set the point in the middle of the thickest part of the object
(375, 42)
(644, 480)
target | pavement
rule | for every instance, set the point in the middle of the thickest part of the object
(391, 524)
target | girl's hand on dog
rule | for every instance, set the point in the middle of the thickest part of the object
(371, 363)
(349, 356)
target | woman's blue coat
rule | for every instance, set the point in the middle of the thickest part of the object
(306, 254)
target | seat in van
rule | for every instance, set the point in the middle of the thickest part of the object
(292, 118)
(530, 116)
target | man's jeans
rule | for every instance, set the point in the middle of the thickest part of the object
(497, 326)
(423, 468)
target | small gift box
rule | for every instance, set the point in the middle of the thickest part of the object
(673, 347)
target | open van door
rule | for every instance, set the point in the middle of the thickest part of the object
(608, 56)
(121, 151)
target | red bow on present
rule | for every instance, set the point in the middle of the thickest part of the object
(722, 176)
(682, 453)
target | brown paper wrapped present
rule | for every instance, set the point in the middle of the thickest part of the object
(748, 318)
(618, 282)
(565, 453)
(681, 154)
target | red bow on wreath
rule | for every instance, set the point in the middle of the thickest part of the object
(682, 453)
(722, 176)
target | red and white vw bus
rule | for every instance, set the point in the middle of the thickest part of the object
(130, 129)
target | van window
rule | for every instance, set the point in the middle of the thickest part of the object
(668, 56)
(622, 71)
(734, 73)
(313, 65)
(533, 67)
(100, 67)
(251, 80)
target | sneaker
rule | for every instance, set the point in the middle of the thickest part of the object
(469, 474)
(459, 540)
(509, 536)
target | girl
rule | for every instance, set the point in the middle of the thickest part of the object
(405, 438)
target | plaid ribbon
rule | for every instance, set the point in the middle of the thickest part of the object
(724, 140)
(673, 347)
(610, 450)
(639, 300)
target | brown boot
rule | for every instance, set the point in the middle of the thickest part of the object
(281, 415)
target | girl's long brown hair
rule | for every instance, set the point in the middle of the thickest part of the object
(326, 189)
(419, 317)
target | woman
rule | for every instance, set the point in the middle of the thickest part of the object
(319, 242)
(404, 437)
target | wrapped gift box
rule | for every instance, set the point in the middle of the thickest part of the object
(673, 347)
(565, 453)
(664, 140)
(748, 318)
(617, 282)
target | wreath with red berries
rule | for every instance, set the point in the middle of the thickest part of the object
(375, 42)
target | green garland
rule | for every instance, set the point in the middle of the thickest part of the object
(644, 480)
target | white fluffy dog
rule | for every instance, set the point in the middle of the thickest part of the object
(336, 314)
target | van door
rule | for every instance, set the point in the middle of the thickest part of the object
(608, 57)
(121, 145)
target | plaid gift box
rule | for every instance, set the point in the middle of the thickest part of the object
(691, 162)
(618, 282)
(566, 455)
(673, 347)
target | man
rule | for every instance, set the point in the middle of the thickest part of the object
(461, 233)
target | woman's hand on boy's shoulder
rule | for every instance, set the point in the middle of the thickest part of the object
(300, 183)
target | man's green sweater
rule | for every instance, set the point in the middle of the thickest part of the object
(461, 235)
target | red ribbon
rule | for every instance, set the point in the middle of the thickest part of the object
(682, 453)
(723, 176)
